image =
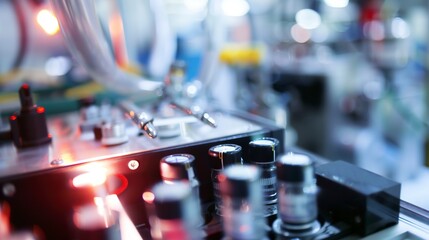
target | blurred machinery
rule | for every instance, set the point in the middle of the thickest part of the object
(128, 83)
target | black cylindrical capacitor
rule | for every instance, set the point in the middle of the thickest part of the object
(297, 203)
(222, 156)
(172, 212)
(262, 153)
(242, 210)
(180, 167)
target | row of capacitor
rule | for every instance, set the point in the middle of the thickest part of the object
(245, 195)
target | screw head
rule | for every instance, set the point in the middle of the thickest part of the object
(9, 190)
(57, 162)
(133, 164)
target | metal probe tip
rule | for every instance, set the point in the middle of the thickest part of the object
(208, 120)
(150, 130)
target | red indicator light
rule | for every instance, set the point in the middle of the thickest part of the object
(12, 118)
(40, 109)
(124, 184)
(25, 86)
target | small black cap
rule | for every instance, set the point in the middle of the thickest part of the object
(224, 155)
(295, 168)
(86, 102)
(238, 181)
(26, 98)
(263, 150)
(98, 135)
(176, 166)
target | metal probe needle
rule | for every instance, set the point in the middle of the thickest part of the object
(201, 115)
(142, 119)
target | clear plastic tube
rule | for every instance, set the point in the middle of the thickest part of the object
(84, 37)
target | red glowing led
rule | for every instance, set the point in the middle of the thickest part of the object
(123, 186)
(12, 118)
(40, 109)
(25, 86)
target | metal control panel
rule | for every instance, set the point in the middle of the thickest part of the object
(38, 182)
(93, 161)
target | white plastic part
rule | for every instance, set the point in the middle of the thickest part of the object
(84, 37)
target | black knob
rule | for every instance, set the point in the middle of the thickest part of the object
(28, 126)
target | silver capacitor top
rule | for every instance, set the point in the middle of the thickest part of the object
(177, 167)
(297, 195)
(295, 168)
(242, 210)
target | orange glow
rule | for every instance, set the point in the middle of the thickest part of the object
(94, 178)
(148, 197)
(118, 40)
(47, 20)
(40, 109)
(221, 178)
(66, 157)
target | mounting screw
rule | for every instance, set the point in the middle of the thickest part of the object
(133, 164)
(57, 162)
(9, 190)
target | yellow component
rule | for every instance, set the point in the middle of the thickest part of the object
(35, 75)
(83, 91)
(241, 55)
(131, 68)
(8, 97)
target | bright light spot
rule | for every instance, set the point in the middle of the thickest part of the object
(337, 3)
(192, 90)
(47, 20)
(93, 179)
(67, 157)
(235, 8)
(148, 197)
(195, 5)
(373, 90)
(308, 19)
(58, 66)
(400, 28)
(295, 159)
(320, 34)
(374, 30)
(300, 34)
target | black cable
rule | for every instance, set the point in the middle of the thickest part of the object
(23, 34)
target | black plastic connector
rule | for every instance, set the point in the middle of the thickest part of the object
(365, 200)
(28, 126)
